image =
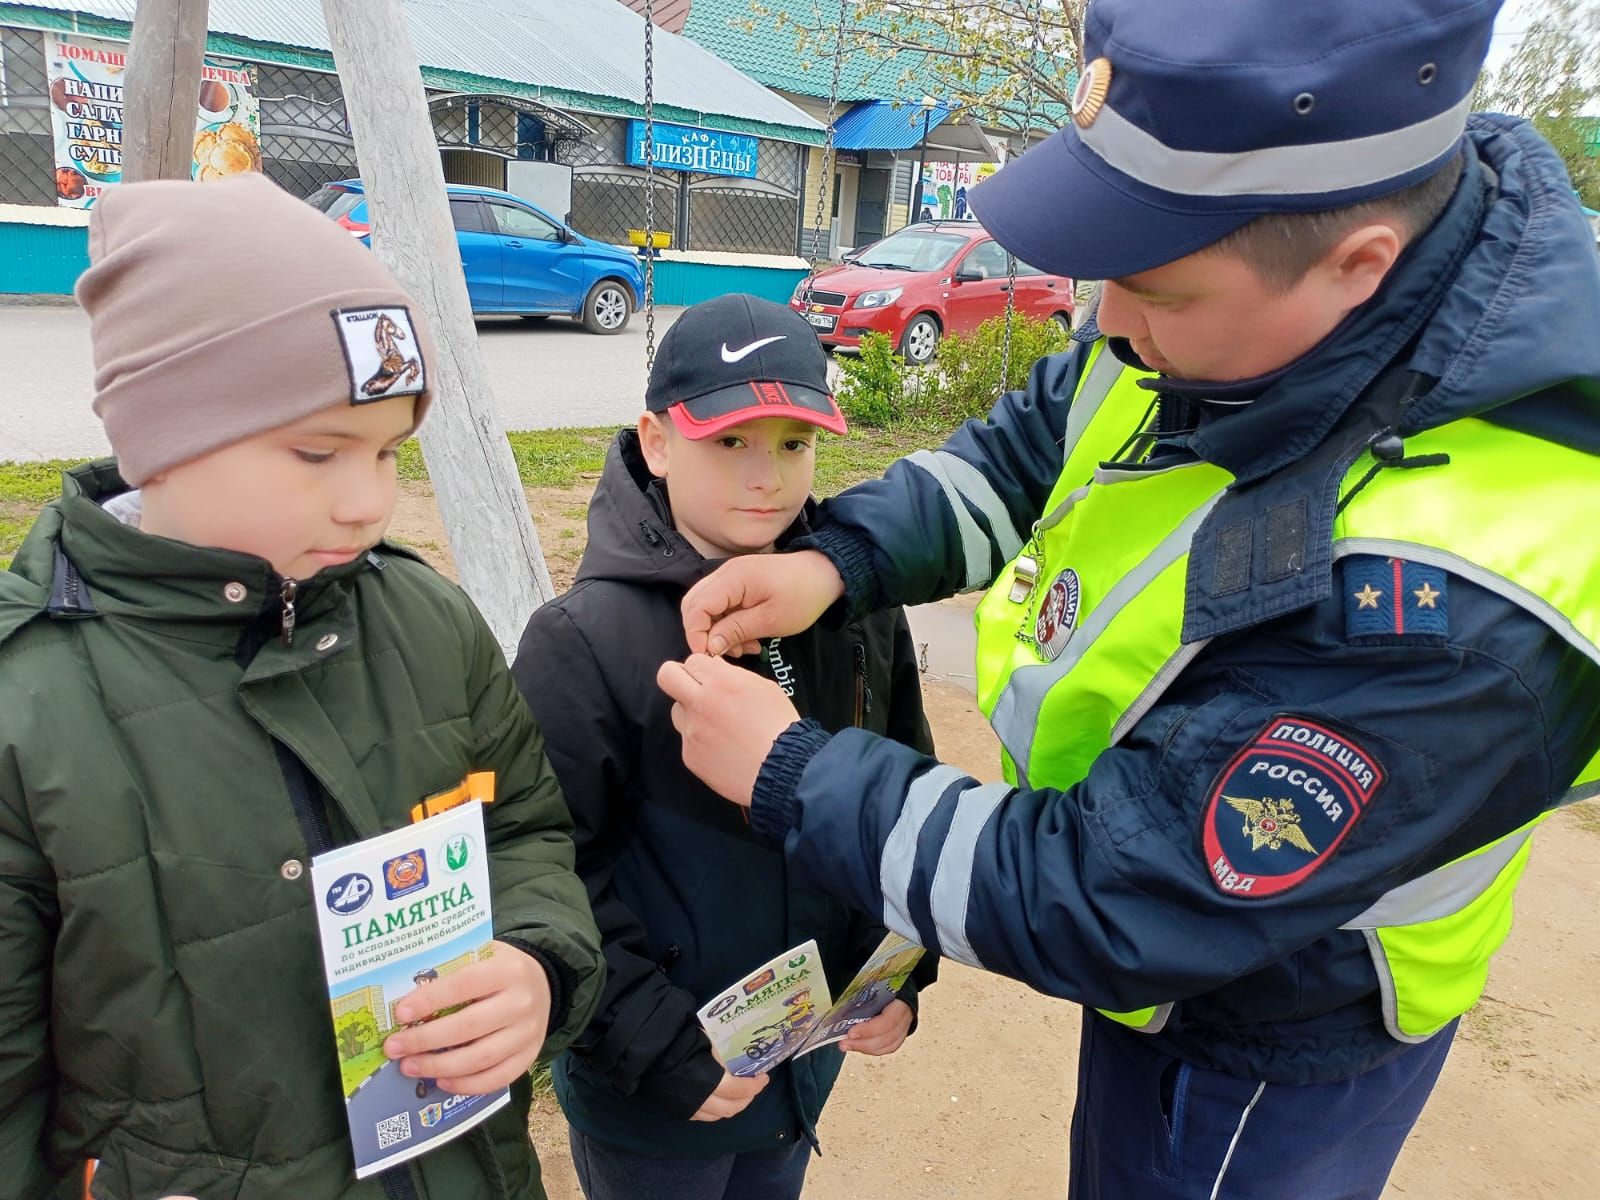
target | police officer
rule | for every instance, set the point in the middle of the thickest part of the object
(1292, 631)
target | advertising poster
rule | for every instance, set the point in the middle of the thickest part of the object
(85, 78)
(942, 194)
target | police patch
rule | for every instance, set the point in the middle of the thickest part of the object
(1280, 808)
(1058, 616)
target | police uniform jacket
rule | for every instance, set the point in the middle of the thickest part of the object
(1102, 893)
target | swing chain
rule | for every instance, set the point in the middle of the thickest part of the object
(649, 188)
(825, 184)
(1011, 259)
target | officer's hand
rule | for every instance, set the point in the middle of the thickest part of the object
(758, 596)
(729, 718)
(732, 1097)
(884, 1034)
(493, 1019)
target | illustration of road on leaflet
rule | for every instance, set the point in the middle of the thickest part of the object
(398, 912)
(783, 1009)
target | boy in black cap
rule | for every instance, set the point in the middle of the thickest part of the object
(686, 898)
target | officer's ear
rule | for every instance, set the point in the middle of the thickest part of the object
(1359, 261)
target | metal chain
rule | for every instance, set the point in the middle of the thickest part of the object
(1011, 260)
(649, 187)
(825, 184)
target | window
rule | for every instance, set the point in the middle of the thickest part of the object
(914, 250)
(987, 261)
(520, 223)
(466, 216)
(336, 202)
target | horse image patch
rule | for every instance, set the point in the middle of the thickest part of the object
(1277, 812)
(381, 352)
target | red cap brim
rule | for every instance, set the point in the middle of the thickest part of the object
(721, 411)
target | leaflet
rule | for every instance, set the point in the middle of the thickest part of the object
(868, 994)
(762, 1019)
(772, 1014)
(397, 912)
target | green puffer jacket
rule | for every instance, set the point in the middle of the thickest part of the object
(167, 767)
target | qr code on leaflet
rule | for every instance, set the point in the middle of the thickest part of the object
(394, 1130)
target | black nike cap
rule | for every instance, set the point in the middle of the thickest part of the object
(739, 358)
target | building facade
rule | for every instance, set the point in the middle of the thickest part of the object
(556, 83)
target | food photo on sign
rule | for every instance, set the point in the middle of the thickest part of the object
(86, 116)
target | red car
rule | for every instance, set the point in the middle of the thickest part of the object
(927, 280)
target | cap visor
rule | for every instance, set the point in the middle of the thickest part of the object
(1062, 209)
(706, 416)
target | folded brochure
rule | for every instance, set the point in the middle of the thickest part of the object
(397, 912)
(783, 1009)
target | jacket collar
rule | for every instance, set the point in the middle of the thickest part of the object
(632, 537)
(1267, 547)
(93, 564)
(1295, 411)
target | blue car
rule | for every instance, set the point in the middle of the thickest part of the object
(518, 259)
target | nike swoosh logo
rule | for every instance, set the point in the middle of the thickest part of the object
(743, 352)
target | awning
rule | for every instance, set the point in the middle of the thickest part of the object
(885, 125)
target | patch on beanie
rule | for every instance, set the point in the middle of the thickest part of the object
(381, 352)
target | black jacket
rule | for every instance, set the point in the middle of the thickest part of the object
(687, 899)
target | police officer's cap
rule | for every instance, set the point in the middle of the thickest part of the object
(1192, 118)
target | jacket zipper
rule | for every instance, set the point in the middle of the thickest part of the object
(309, 800)
(286, 595)
(863, 690)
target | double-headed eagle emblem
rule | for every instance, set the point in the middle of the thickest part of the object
(1271, 823)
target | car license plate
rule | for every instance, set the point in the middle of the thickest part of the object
(822, 321)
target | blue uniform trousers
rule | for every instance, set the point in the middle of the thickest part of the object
(1150, 1127)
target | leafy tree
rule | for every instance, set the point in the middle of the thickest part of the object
(357, 1032)
(976, 55)
(1553, 79)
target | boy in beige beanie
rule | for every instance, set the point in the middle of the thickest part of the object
(212, 669)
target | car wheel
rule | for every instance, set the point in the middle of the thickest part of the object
(919, 341)
(606, 308)
(1063, 322)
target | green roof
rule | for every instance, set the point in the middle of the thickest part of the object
(1591, 136)
(767, 50)
(770, 54)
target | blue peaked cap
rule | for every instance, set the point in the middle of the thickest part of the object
(1194, 116)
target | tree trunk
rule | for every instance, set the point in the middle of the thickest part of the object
(485, 511)
(162, 89)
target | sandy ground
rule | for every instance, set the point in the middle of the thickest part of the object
(976, 1105)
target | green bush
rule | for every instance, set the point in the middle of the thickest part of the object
(879, 389)
(871, 389)
(965, 381)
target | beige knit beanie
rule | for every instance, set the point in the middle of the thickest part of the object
(218, 311)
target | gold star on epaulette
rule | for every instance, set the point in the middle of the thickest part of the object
(1368, 596)
(1427, 596)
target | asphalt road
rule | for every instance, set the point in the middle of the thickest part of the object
(544, 375)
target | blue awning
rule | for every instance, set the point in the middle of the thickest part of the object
(881, 125)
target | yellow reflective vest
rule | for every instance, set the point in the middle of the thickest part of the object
(1081, 634)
